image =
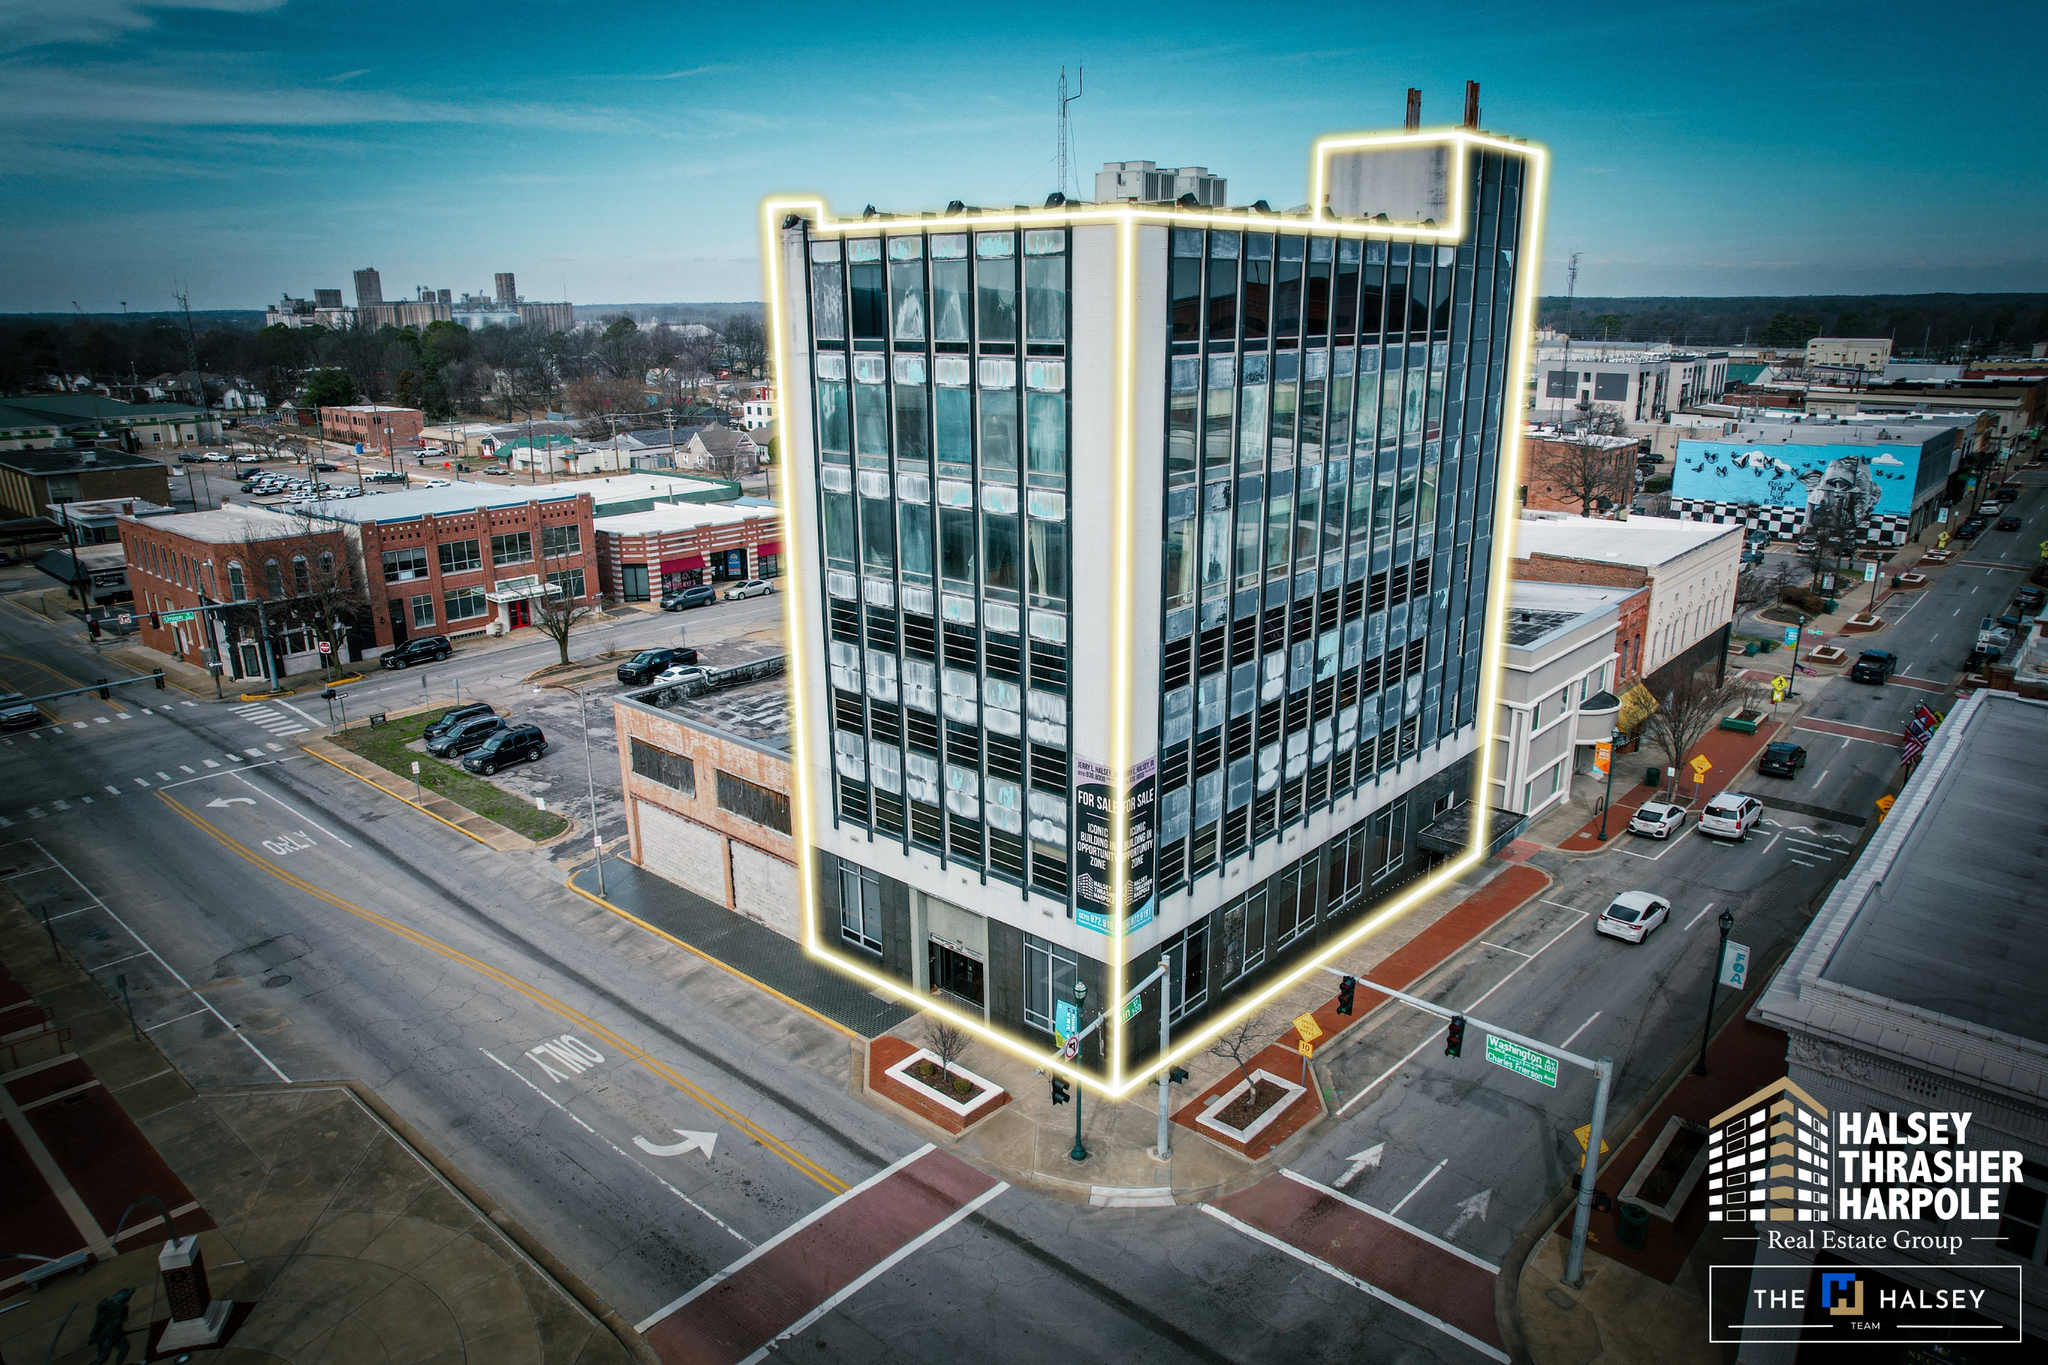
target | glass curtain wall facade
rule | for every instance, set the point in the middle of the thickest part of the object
(1334, 415)
(941, 389)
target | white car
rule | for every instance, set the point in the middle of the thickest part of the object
(753, 587)
(1656, 819)
(436, 483)
(680, 673)
(1633, 915)
(1729, 816)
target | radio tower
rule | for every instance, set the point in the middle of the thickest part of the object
(1571, 282)
(1066, 131)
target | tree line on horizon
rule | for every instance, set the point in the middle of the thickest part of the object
(1942, 327)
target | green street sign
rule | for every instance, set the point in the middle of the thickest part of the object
(172, 618)
(1133, 1005)
(1521, 1060)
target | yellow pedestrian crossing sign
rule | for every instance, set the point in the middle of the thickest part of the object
(1584, 1133)
(1779, 687)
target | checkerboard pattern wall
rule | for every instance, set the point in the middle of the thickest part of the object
(1783, 523)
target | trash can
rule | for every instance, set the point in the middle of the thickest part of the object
(1633, 1225)
(1654, 777)
(1749, 649)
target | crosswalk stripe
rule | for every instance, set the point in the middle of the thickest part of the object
(140, 783)
(114, 789)
(209, 763)
(253, 753)
(275, 748)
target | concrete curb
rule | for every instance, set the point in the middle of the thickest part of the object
(457, 817)
(486, 1208)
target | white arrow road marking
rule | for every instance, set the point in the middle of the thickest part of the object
(691, 1142)
(1468, 1209)
(1369, 1159)
(223, 802)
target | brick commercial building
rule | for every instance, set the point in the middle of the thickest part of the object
(297, 568)
(1557, 465)
(707, 795)
(465, 558)
(644, 555)
(1690, 568)
(367, 422)
(31, 480)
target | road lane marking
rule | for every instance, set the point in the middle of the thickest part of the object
(1703, 909)
(1577, 1031)
(154, 1027)
(531, 992)
(1363, 1286)
(1503, 947)
(307, 818)
(608, 1142)
(1419, 1184)
(1583, 916)
(176, 975)
(1669, 844)
(185, 767)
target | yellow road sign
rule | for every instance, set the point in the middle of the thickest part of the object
(1700, 766)
(1779, 687)
(1305, 1048)
(1584, 1133)
(1308, 1028)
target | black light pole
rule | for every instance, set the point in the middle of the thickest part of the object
(1792, 673)
(1080, 1152)
(1713, 987)
(1613, 757)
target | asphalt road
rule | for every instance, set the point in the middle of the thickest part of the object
(273, 917)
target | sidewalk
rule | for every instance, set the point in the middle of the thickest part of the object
(340, 1236)
(1730, 751)
(1028, 1141)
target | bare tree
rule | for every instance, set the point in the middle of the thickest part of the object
(1242, 1041)
(1589, 464)
(745, 344)
(556, 613)
(1834, 534)
(946, 1041)
(1691, 707)
(304, 579)
(1757, 587)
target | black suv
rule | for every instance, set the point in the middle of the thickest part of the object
(1782, 760)
(510, 745)
(648, 664)
(453, 717)
(425, 649)
(702, 595)
(1874, 666)
(464, 736)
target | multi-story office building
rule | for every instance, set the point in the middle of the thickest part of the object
(1143, 574)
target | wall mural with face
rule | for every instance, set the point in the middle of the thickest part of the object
(1867, 480)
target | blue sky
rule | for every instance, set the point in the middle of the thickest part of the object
(616, 151)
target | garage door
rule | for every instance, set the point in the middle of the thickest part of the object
(684, 852)
(764, 887)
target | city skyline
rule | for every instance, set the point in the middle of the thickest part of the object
(251, 149)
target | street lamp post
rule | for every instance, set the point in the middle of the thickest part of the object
(1613, 756)
(1080, 1152)
(1792, 669)
(590, 778)
(1713, 988)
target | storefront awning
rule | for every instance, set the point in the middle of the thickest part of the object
(768, 547)
(683, 565)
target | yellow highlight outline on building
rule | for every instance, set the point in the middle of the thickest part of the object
(800, 572)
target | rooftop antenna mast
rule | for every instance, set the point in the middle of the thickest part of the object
(1066, 128)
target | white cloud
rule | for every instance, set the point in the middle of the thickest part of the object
(41, 23)
(1887, 458)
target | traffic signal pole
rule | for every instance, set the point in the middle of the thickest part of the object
(1603, 1071)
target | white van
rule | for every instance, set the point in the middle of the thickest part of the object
(1729, 815)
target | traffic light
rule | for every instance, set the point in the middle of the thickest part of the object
(1347, 991)
(1175, 1075)
(1059, 1090)
(1454, 1041)
(159, 676)
(106, 692)
(154, 623)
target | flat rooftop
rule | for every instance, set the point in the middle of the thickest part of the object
(1537, 611)
(1955, 918)
(757, 713)
(681, 516)
(411, 504)
(233, 524)
(1645, 542)
(1862, 429)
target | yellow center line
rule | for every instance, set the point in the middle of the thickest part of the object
(533, 993)
(62, 677)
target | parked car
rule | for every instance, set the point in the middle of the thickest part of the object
(753, 587)
(681, 673)
(645, 666)
(1753, 555)
(461, 738)
(1633, 915)
(323, 467)
(1782, 760)
(701, 595)
(1657, 819)
(497, 469)
(18, 712)
(1874, 666)
(420, 650)
(1730, 815)
(1807, 546)
(513, 744)
(2008, 523)
(251, 472)
(454, 716)
(2029, 599)
(1970, 530)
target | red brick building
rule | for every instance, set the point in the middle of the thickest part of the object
(643, 555)
(469, 557)
(300, 570)
(366, 422)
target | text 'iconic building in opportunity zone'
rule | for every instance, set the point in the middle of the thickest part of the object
(1144, 578)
